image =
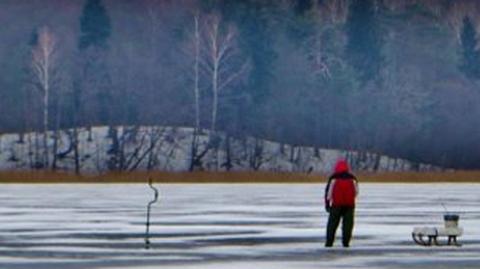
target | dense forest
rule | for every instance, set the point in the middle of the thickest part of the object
(395, 77)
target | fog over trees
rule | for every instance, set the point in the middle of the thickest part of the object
(396, 77)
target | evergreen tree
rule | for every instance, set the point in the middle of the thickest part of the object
(94, 84)
(302, 6)
(470, 56)
(33, 38)
(364, 44)
(95, 25)
(301, 25)
(253, 23)
(253, 20)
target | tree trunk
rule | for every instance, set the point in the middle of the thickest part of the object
(228, 158)
(194, 145)
(37, 162)
(215, 96)
(55, 149)
(215, 57)
(193, 150)
(21, 138)
(196, 70)
(46, 88)
(76, 154)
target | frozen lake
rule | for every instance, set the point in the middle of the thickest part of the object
(228, 226)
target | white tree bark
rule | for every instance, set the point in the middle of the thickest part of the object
(221, 51)
(43, 62)
(215, 60)
(196, 71)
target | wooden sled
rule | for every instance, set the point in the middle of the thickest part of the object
(429, 236)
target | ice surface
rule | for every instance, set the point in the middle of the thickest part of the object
(228, 226)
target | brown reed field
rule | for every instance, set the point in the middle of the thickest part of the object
(232, 177)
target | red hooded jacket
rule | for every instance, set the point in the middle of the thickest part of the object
(342, 187)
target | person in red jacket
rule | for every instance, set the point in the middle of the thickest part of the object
(340, 194)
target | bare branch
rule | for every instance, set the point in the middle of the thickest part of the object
(235, 75)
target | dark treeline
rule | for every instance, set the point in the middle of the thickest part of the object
(388, 76)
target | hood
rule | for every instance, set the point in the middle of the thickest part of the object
(341, 166)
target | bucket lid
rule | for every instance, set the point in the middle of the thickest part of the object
(452, 217)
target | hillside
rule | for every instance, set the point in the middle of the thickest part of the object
(104, 149)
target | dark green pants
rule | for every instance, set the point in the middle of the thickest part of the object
(347, 215)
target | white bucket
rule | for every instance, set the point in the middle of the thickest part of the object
(451, 220)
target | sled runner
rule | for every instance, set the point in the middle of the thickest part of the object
(429, 236)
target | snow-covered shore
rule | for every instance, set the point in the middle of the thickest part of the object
(102, 149)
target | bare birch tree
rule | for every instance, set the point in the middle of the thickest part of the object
(217, 63)
(44, 63)
(196, 90)
(222, 59)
